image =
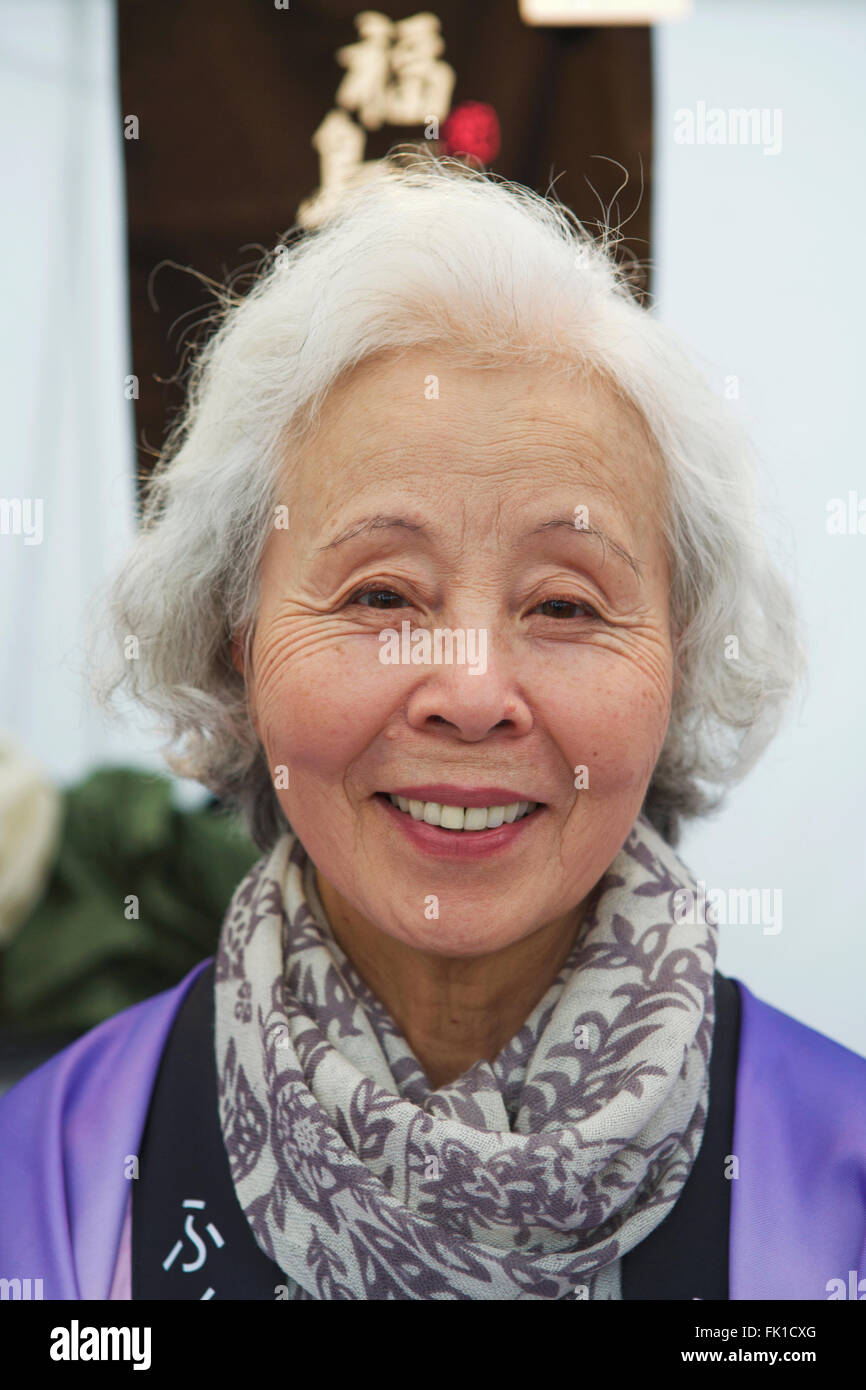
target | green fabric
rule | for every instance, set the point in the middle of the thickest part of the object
(79, 957)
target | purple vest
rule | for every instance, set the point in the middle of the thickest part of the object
(69, 1131)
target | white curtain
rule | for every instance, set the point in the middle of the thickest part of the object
(67, 428)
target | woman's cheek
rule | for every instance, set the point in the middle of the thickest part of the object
(615, 730)
(320, 714)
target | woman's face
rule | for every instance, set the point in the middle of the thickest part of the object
(522, 510)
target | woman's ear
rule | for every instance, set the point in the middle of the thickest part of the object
(675, 646)
(237, 653)
(238, 658)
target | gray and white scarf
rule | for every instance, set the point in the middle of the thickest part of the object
(529, 1176)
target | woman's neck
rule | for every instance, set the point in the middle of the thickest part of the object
(452, 1010)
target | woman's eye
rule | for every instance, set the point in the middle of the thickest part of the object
(377, 591)
(380, 596)
(560, 605)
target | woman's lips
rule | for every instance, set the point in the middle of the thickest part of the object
(456, 844)
(449, 794)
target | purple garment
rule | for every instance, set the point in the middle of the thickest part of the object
(798, 1206)
(66, 1133)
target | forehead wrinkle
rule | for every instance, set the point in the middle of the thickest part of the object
(544, 443)
(555, 431)
(442, 424)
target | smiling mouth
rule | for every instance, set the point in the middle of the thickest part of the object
(462, 819)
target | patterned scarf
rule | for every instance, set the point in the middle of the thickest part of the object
(529, 1176)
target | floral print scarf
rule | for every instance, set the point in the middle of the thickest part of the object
(527, 1177)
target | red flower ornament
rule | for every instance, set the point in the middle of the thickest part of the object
(472, 129)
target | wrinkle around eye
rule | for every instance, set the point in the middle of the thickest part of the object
(297, 636)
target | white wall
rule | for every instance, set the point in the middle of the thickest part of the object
(759, 266)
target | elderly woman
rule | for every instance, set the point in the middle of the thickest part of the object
(452, 579)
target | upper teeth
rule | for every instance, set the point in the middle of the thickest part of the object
(463, 817)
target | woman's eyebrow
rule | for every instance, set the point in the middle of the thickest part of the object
(569, 524)
(383, 521)
(379, 522)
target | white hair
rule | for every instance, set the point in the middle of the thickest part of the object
(431, 251)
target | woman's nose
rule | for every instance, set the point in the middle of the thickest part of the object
(472, 705)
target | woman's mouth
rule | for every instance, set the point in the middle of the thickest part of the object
(465, 818)
(460, 831)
